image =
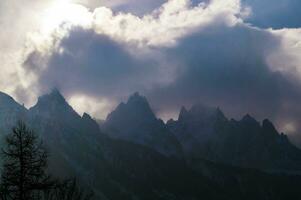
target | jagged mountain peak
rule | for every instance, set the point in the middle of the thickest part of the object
(5, 99)
(249, 119)
(220, 114)
(86, 116)
(90, 123)
(136, 122)
(135, 95)
(137, 107)
(8, 102)
(5, 96)
(54, 103)
(54, 95)
(269, 129)
(53, 98)
(138, 100)
(183, 113)
(10, 113)
(268, 125)
(200, 111)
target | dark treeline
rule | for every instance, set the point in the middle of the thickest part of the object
(24, 173)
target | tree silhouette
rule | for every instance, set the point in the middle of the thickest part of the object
(24, 174)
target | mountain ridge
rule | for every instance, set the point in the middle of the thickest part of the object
(135, 121)
(120, 169)
(245, 143)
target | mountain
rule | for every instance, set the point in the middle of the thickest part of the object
(53, 106)
(194, 128)
(10, 112)
(122, 169)
(113, 168)
(135, 121)
(206, 133)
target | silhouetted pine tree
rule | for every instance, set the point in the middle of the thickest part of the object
(24, 174)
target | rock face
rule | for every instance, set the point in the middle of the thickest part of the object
(196, 127)
(72, 139)
(206, 133)
(53, 107)
(134, 121)
(113, 168)
(10, 113)
(120, 169)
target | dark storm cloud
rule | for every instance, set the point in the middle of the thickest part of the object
(227, 67)
(225, 62)
(94, 65)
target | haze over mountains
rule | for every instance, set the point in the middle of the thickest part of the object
(135, 155)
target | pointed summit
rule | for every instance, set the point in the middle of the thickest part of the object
(183, 113)
(269, 129)
(89, 123)
(7, 101)
(137, 107)
(5, 96)
(268, 125)
(55, 95)
(10, 113)
(55, 91)
(249, 120)
(55, 104)
(135, 121)
(136, 98)
(141, 105)
(200, 112)
(87, 117)
(220, 115)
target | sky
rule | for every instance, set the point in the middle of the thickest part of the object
(240, 55)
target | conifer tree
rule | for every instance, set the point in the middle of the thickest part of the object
(24, 174)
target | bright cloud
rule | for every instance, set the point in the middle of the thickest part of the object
(286, 59)
(94, 106)
(164, 26)
(171, 21)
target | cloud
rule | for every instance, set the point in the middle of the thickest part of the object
(286, 58)
(17, 20)
(95, 63)
(179, 53)
(228, 67)
(168, 23)
(174, 19)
